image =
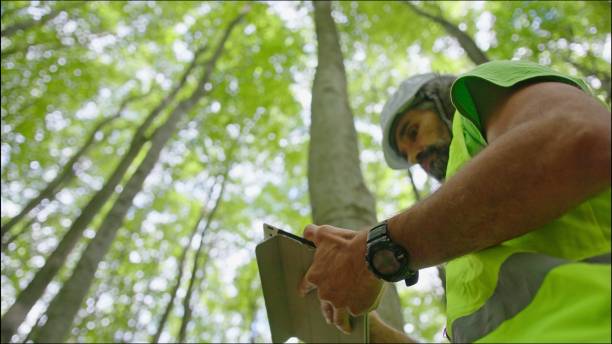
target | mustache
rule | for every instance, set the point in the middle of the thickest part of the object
(438, 162)
(441, 150)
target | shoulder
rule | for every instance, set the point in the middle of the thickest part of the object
(537, 101)
(477, 93)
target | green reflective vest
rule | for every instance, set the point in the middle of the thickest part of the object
(551, 284)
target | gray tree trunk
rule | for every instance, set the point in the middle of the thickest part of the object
(29, 23)
(27, 297)
(338, 194)
(177, 284)
(64, 306)
(23, 229)
(415, 190)
(66, 173)
(467, 43)
(187, 310)
(252, 320)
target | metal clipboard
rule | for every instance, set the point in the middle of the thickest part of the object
(283, 258)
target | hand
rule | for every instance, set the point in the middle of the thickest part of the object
(339, 273)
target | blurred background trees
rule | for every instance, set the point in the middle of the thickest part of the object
(87, 85)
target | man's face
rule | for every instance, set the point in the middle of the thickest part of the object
(422, 138)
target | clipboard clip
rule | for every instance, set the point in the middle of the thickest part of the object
(271, 231)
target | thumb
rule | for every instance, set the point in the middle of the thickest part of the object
(310, 232)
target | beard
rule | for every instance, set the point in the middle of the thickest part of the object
(437, 154)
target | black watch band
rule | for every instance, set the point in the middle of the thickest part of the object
(382, 250)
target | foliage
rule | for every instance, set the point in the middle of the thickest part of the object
(62, 75)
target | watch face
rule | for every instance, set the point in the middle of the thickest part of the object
(385, 262)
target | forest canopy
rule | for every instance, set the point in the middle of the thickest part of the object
(145, 143)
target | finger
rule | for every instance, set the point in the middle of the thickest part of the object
(332, 231)
(341, 320)
(306, 286)
(357, 308)
(362, 306)
(309, 232)
(328, 311)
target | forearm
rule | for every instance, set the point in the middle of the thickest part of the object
(521, 181)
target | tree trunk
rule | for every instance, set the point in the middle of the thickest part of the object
(196, 260)
(26, 299)
(23, 229)
(415, 190)
(29, 23)
(338, 194)
(139, 307)
(467, 43)
(252, 320)
(67, 172)
(177, 284)
(186, 305)
(64, 306)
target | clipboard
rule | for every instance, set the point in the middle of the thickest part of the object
(283, 258)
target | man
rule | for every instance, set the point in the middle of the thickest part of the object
(522, 220)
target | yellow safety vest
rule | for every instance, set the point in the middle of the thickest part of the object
(551, 284)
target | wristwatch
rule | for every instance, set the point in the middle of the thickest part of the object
(386, 259)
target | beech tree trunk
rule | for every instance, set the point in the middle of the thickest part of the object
(29, 23)
(67, 172)
(338, 194)
(415, 190)
(177, 284)
(187, 311)
(467, 43)
(23, 229)
(28, 297)
(64, 306)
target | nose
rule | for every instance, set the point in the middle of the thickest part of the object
(417, 155)
(405, 153)
(410, 151)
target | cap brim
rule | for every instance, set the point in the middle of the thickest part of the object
(397, 104)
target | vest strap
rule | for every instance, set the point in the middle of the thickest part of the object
(520, 278)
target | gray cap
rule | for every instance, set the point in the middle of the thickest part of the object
(396, 105)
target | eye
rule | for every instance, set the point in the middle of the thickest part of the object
(412, 132)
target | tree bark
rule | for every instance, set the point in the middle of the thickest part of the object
(10, 11)
(26, 299)
(64, 306)
(67, 172)
(338, 194)
(29, 23)
(23, 229)
(196, 260)
(139, 307)
(177, 284)
(415, 190)
(467, 43)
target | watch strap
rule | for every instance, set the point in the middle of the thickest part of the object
(380, 233)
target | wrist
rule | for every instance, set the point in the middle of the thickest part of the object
(387, 259)
(359, 245)
(396, 229)
(407, 230)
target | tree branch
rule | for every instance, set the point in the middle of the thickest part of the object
(467, 43)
